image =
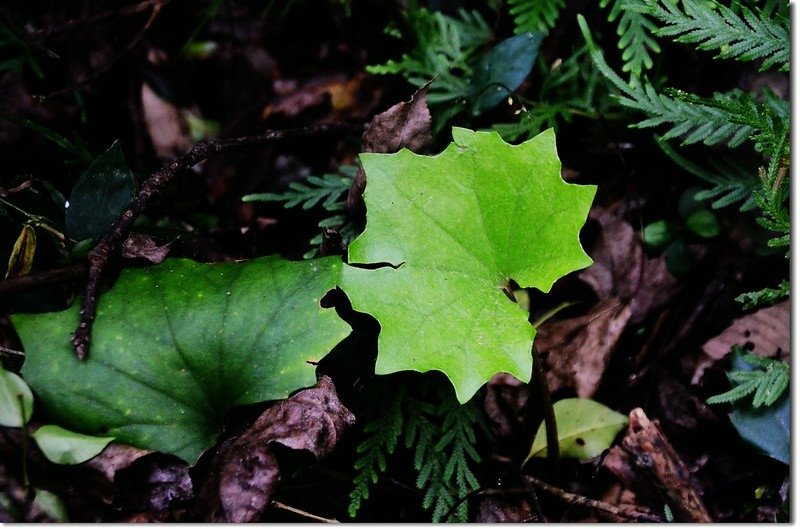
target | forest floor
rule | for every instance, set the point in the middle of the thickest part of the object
(646, 337)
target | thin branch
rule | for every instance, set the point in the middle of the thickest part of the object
(108, 65)
(600, 506)
(40, 279)
(302, 513)
(5, 351)
(101, 253)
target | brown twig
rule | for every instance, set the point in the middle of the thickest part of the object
(39, 279)
(73, 24)
(100, 254)
(108, 65)
(302, 513)
(600, 506)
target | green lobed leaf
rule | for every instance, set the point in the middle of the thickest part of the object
(64, 447)
(585, 429)
(459, 226)
(16, 400)
(175, 345)
(101, 193)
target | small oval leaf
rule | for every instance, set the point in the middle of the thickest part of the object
(16, 400)
(585, 429)
(64, 447)
(21, 260)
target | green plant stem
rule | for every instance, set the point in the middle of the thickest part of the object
(551, 428)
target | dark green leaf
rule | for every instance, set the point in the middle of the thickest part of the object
(101, 193)
(503, 69)
(659, 234)
(175, 345)
(703, 223)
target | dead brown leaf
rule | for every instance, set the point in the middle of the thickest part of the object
(165, 125)
(140, 245)
(621, 269)
(498, 510)
(765, 332)
(505, 402)
(406, 124)
(575, 352)
(245, 472)
(647, 453)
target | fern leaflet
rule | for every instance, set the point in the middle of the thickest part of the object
(441, 435)
(767, 296)
(635, 32)
(380, 440)
(713, 26)
(534, 15)
(766, 382)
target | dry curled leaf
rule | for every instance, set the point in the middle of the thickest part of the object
(405, 125)
(245, 472)
(621, 269)
(765, 332)
(498, 510)
(166, 127)
(575, 352)
(505, 404)
(140, 245)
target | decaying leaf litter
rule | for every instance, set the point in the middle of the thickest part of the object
(633, 340)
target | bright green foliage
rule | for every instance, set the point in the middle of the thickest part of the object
(16, 400)
(534, 15)
(635, 35)
(329, 190)
(175, 345)
(766, 382)
(446, 53)
(458, 227)
(731, 118)
(444, 50)
(442, 435)
(768, 296)
(585, 429)
(746, 36)
(68, 448)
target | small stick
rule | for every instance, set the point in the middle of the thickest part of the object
(99, 255)
(601, 506)
(5, 351)
(39, 279)
(305, 514)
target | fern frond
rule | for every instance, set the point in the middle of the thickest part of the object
(712, 26)
(635, 32)
(732, 182)
(766, 382)
(327, 189)
(767, 296)
(444, 439)
(443, 52)
(380, 441)
(534, 15)
(730, 118)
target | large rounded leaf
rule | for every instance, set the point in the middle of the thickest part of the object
(175, 345)
(459, 226)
